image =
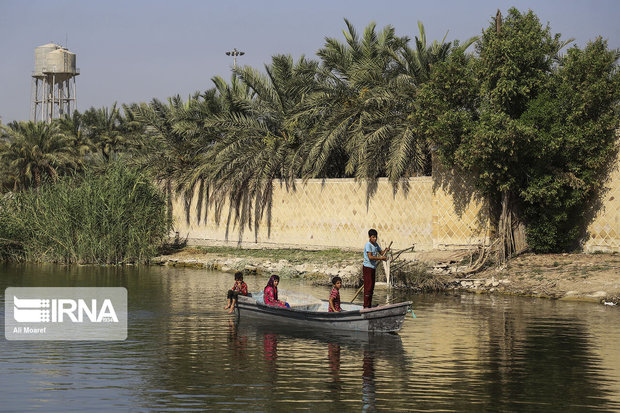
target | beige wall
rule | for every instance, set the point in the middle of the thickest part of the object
(334, 213)
(460, 215)
(439, 212)
(604, 231)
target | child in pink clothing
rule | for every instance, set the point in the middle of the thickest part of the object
(270, 294)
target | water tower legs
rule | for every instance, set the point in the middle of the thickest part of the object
(52, 98)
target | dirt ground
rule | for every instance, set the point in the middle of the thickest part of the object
(591, 277)
(585, 277)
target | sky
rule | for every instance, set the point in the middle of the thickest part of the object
(134, 51)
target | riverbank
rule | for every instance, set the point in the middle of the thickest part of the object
(584, 277)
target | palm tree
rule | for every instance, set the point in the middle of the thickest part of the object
(73, 126)
(33, 151)
(366, 105)
(417, 62)
(196, 123)
(258, 143)
(163, 150)
(353, 108)
(409, 154)
(175, 142)
(103, 128)
(131, 128)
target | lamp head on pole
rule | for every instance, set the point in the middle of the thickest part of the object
(234, 53)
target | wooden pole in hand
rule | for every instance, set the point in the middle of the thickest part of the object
(358, 292)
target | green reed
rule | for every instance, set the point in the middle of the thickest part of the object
(118, 216)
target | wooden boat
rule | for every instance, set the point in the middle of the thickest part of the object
(313, 314)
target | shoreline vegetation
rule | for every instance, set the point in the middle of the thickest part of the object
(117, 216)
(574, 276)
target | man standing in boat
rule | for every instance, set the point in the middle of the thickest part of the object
(372, 255)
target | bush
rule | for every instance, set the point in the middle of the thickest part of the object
(115, 217)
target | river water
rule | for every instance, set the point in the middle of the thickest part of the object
(463, 352)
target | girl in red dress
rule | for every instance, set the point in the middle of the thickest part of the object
(270, 294)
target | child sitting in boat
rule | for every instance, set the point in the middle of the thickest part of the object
(334, 295)
(270, 294)
(239, 287)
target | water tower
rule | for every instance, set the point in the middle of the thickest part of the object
(53, 82)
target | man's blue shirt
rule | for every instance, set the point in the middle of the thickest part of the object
(374, 250)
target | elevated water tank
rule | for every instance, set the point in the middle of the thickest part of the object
(53, 82)
(40, 57)
(60, 61)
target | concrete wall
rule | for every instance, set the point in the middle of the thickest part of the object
(335, 213)
(439, 212)
(604, 231)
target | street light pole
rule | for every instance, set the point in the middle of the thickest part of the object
(234, 54)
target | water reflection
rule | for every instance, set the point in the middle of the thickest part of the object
(368, 382)
(270, 350)
(238, 343)
(335, 386)
(365, 349)
(552, 361)
(462, 353)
